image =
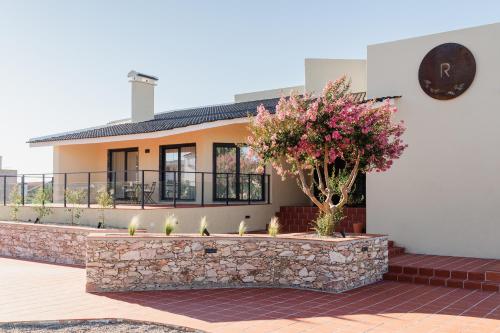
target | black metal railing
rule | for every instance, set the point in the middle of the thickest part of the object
(136, 187)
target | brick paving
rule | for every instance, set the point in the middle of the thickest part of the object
(36, 291)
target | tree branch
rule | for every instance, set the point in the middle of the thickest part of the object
(325, 166)
(307, 191)
(321, 185)
(346, 188)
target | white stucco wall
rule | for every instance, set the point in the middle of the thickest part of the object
(142, 101)
(442, 196)
(319, 71)
(267, 94)
(220, 219)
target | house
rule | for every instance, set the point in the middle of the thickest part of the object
(439, 198)
(190, 162)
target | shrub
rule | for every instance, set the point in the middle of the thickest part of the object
(274, 227)
(203, 225)
(104, 200)
(242, 228)
(170, 223)
(74, 198)
(132, 227)
(41, 197)
(16, 201)
(326, 223)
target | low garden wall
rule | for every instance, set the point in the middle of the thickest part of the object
(153, 261)
(45, 242)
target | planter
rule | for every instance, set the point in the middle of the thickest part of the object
(55, 243)
(357, 227)
(119, 262)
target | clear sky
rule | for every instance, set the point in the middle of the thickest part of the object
(63, 64)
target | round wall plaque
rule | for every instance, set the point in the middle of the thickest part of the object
(447, 71)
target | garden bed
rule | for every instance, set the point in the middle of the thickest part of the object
(62, 244)
(92, 326)
(119, 262)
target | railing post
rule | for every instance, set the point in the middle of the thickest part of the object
(52, 192)
(43, 189)
(202, 189)
(268, 189)
(65, 187)
(114, 189)
(249, 198)
(88, 190)
(227, 189)
(175, 188)
(22, 189)
(142, 192)
(4, 190)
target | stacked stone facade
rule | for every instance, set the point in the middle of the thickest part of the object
(44, 242)
(153, 262)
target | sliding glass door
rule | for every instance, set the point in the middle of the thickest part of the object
(123, 169)
(178, 172)
(235, 174)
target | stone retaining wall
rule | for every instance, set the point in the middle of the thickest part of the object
(153, 261)
(45, 242)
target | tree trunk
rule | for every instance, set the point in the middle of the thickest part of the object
(327, 206)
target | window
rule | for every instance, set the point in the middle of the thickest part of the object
(235, 174)
(178, 172)
(123, 167)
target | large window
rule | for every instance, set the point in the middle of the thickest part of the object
(178, 172)
(235, 174)
(123, 169)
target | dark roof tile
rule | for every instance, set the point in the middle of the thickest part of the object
(171, 120)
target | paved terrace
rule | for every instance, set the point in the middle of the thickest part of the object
(37, 291)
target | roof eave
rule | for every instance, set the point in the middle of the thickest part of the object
(141, 136)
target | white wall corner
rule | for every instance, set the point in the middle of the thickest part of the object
(319, 71)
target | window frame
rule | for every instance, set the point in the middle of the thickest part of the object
(118, 150)
(237, 175)
(162, 169)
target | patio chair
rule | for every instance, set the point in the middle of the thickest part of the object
(148, 193)
(132, 192)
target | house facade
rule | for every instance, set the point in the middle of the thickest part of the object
(190, 162)
(439, 198)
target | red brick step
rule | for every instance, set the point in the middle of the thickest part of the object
(452, 272)
(394, 250)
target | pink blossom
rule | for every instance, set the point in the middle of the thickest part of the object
(325, 128)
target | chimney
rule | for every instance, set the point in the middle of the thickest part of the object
(143, 96)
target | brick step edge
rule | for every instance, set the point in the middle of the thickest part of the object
(493, 276)
(436, 272)
(444, 282)
(395, 251)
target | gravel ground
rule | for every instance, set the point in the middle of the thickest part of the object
(91, 326)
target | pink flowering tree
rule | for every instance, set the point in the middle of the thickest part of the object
(307, 134)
